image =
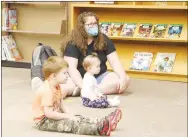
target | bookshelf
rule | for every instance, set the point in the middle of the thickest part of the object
(137, 7)
(44, 22)
(63, 4)
(144, 12)
(32, 32)
(138, 39)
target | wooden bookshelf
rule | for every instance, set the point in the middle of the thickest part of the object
(62, 4)
(33, 32)
(137, 7)
(162, 40)
(133, 6)
(144, 12)
(44, 22)
(16, 64)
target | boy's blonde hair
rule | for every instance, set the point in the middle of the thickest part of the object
(88, 60)
(53, 64)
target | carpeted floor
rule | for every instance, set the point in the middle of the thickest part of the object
(150, 108)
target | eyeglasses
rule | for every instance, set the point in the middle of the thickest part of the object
(91, 25)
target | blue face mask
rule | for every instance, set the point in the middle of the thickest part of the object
(93, 31)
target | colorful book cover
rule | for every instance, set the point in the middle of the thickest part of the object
(12, 48)
(104, 2)
(128, 29)
(12, 19)
(164, 62)
(174, 30)
(144, 30)
(5, 19)
(161, 3)
(8, 54)
(105, 28)
(141, 61)
(159, 31)
(116, 28)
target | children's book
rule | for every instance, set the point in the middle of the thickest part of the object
(116, 28)
(161, 3)
(175, 30)
(144, 30)
(105, 28)
(3, 56)
(159, 31)
(164, 62)
(5, 20)
(128, 29)
(12, 18)
(104, 2)
(7, 52)
(141, 61)
(11, 48)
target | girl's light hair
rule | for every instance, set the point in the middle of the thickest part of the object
(88, 60)
(53, 64)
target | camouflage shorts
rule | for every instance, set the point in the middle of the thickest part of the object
(84, 126)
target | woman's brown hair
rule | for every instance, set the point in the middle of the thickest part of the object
(79, 36)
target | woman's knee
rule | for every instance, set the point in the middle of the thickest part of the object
(69, 87)
(128, 81)
(112, 76)
(115, 81)
(109, 87)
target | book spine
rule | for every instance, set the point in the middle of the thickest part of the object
(5, 47)
(5, 19)
(3, 56)
(8, 46)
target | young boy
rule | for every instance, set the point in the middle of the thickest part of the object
(91, 95)
(49, 113)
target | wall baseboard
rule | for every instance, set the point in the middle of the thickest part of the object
(5, 63)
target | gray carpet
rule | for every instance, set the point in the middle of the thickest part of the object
(150, 108)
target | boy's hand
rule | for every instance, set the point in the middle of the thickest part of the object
(75, 118)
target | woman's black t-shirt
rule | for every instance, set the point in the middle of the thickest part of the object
(73, 51)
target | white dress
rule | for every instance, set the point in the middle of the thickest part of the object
(89, 88)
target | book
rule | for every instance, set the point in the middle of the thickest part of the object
(11, 48)
(3, 56)
(141, 61)
(144, 30)
(104, 2)
(174, 30)
(105, 28)
(116, 28)
(161, 3)
(128, 29)
(5, 19)
(6, 50)
(12, 16)
(159, 31)
(164, 62)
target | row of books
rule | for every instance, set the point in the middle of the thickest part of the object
(141, 61)
(158, 3)
(144, 30)
(10, 51)
(163, 62)
(9, 19)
